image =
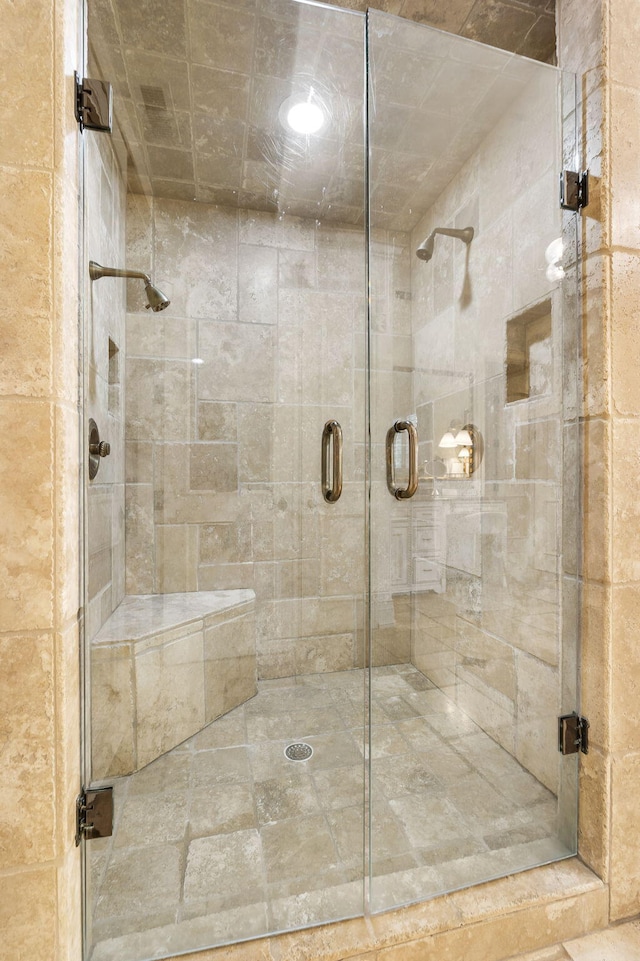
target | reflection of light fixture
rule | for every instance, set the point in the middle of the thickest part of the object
(448, 440)
(553, 256)
(465, 456)
(302, 114)
(469, 446)
(463, 438)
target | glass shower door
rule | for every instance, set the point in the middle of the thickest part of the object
(474, 467)
(225, 593)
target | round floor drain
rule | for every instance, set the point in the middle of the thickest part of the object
(298, 752)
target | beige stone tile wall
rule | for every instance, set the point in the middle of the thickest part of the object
(227, 393)
(493, 636)
(39, 525)
(599, 42)
(104, 374)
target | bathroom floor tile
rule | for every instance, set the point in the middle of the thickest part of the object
(212, 857)
(221, 810)
(280, 798)
(244, 842)
(138, 880)
(167, 824)
(616, 944)
(298, 847)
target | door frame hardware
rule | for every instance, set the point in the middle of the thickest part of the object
(573, 734)
(331, 490)
(574, 190)
(94, 814)
(94, 104)
(403, 493)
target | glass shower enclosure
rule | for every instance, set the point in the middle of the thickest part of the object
(331, 558)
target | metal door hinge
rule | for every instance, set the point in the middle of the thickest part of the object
(94, 814)
(573, 734)
(94, 104)
(574, 189)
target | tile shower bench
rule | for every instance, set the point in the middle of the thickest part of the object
(163, 666)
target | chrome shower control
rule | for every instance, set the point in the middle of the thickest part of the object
(97, 448)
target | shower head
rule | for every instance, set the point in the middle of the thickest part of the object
(157, 300)
(425, 250)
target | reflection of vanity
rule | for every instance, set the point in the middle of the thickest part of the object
(418, 549)
(443, 533)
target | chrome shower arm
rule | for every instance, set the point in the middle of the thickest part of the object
(425, 250)
(465, 233)
(96, 271)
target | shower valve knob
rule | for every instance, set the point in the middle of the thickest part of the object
(97, 449)
(103, 449)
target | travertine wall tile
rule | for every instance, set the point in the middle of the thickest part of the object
(625, 843)
(625, 387)
(624, 106)
(625, 672)
(176, 558)
(28, 909)
(625, 491)
(67, 685)
(28, 818)
(26, 263)
(597, 492)
(27, 115)
(112, 710)
(169, 696)
(67, 514)
(594, 812)
(596, 668)
(580, 35)
(27, 523)
(536, 722)
(622, 53)
(140, 545)
(222, 455)
(69, 899)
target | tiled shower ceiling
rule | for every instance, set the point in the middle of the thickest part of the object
(199, 86)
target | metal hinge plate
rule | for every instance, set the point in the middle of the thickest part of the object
(94, 814)
(94, 104)
(573, 734)
(574, 189)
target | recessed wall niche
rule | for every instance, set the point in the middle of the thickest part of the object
(529, 353)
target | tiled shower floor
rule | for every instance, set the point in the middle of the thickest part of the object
(224, 839)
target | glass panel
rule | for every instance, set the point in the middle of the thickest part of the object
(473, 579)
(225, 595)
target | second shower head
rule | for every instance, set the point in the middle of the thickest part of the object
(425, 250)
(157, 300)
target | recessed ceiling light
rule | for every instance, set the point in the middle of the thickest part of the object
(305, 118)
(302, 115)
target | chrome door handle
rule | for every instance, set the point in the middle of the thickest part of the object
(403, 493)
(331, 490)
